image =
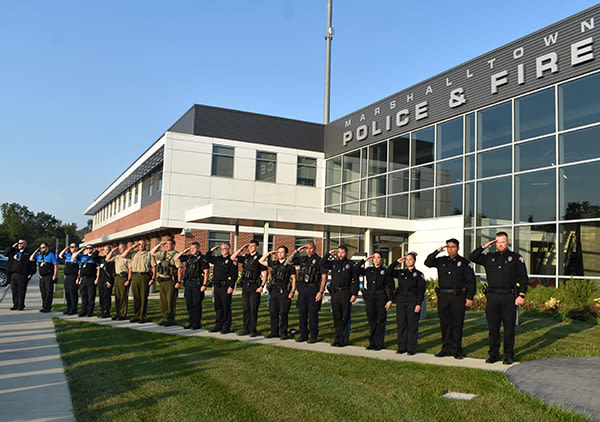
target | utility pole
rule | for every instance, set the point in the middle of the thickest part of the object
(328, 38)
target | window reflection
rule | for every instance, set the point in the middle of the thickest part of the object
(448, 201)
(535, 196)
(422, 146)
(450, 138)
(494, 126)
(534, 114)
(494, 202)
(579, 254)
(537, 246)
(579, 102)
(579, 193)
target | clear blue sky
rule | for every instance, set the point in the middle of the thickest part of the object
(86, 87)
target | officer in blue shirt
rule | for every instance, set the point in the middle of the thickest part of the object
(48, 269)
(71, 271)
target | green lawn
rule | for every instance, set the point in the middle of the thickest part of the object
(537, 337)
(117, 374)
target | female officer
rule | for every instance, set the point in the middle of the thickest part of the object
(377, 292)
(409, 296)
(105, 280)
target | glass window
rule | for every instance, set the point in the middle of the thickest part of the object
(468, 243)
(470, 132)
(351, 166)
(535, 197)
(335, 209)
(350, 192)
(421, 178)
(579, 249)
(469, 210)
(579, 193)
(378, 158)
(351, 208)
(449, 171)
(450, 138)
(159, 183)
(128, 198)
(494, 202)
(333, 171)
(494, 163)
(376, 207)
(579, 145)
(377, 186)
(399, 150)
(222, 161)
(579, 102)
(534, 114)
(537, 246)
(398, 182)
(266, 166)
(332, 195)
(494, 126)
(448, 201)
(363, 162)
(470, 167)
(306, 174)
(422, 146)
(150, 187)
(535, 154)
(421, 204)
(216, 238)
(119, 203)
(135, 195)
(398, 206)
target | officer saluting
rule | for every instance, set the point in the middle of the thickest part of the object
(88, 265)
(122, 279)
(252, 285)
(507, 278)
(167, 268)
(105, 280)
(143, 267)
(377, 292)
(225, 274)
(71, 271)
(20, 270)
(455, 293)
(48, 269)
(343, 289)
(310, 291)
(194, 275)
(282, 291)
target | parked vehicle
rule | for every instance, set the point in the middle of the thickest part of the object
(3, 275)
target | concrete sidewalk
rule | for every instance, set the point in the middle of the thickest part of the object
(33, 386)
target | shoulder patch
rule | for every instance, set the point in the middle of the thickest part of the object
(470, 265)
(521, 259)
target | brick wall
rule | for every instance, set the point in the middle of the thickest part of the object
(143, 216)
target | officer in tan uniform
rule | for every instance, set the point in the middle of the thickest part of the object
(143, 274)
(167, 268)
(121, 281)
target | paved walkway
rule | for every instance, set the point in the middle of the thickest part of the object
(572, 383)
(33, 386)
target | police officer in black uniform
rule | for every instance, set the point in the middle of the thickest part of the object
(409, 296)
(377, 291)
(194, 276)
(252, 279)
(455, 293)
(87, 280)
(71, 271)
(105, 275)
(343, 289)
(225, 274)
(20, 269)
(310, 291)
(48, 270)
(281, 289)
(507, 283)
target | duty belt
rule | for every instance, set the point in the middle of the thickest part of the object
(339, 289)
(123, 274)
(412, 292)
(220, 283)
(456, 292)
(141, 273)
(500, 291)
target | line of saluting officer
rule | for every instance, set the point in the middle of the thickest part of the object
(124, 268)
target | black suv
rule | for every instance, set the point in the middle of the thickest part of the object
(3, 275)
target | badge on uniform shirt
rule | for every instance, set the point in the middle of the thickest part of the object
(157, 261)
(227, 261)
(493, 259)
(347, 266)
(415, 274)
(314, 261)
(459, 263)
(255, 256)
(382, 272)
(509, 258)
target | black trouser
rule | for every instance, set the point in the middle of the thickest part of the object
(193, 300)
(222, 308)
(105, 294)
(308, 310)
(451, 310)
(376, 315)
(408, 323)
(88, 294)
(340, 308)
(250, 304)
(71, 293)
(47, 291)
(168, 299)
(18, 285)
(121, 295)
(279, 308)
(501, 308)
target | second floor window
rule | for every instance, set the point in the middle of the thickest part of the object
(222, 161)
(266, 166)
(307, 171)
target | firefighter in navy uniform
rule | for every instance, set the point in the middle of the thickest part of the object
(71, 271)
(167, 268)
(87, 279)
(281, 289)
(455, 293)
(507, 283)
(343, 289)
(194, 275)
(225, 274)
(252, 279)
(20, 270)
(105, 280)
(48, 269)
(377, 291)
(409, 296)
(310, 291)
